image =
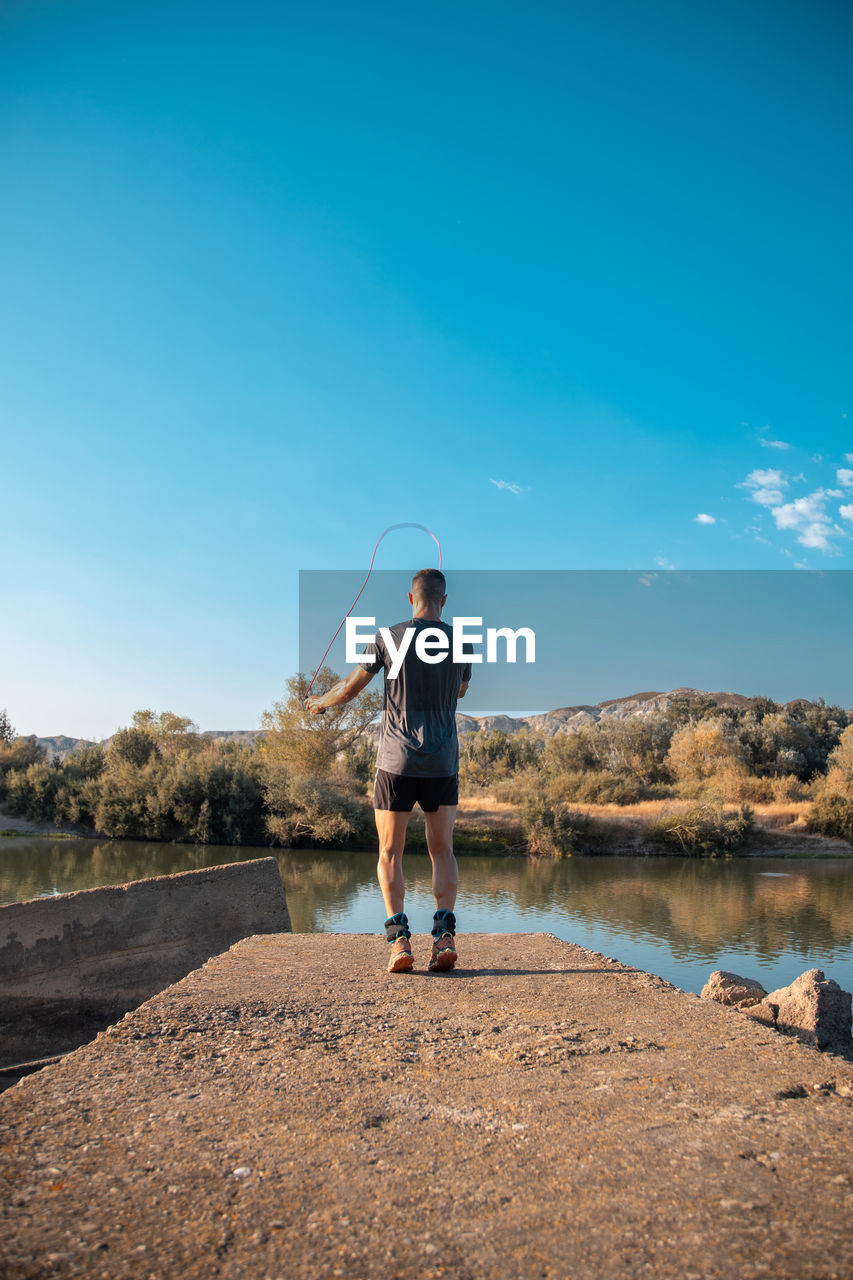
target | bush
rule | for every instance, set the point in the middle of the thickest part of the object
(553, 830)
(306, 811)
(596, 786)
(703, 830)
(788, 788)
(31, 792)
(832, 815)
(490, 757)
(732, 784)
(701, 750)
(832, 811)
(212, 797)
(18, 754)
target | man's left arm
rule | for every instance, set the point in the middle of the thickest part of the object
(344, 691)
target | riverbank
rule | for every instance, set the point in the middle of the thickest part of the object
(488, 826)
(542, 1112)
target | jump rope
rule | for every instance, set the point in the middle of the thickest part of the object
(407, 524)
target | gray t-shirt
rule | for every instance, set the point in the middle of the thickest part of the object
(418, 733)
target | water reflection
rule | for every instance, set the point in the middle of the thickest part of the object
(676, 917)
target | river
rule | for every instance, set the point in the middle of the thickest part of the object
(766, 918)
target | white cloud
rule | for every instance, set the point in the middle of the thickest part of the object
(663, 563)
(808, 518)
(845, 477)
(846, 512)
(848, 457)
(774, 444)
(763, 478)
(704, 518)
(507, 484)
(766, 485)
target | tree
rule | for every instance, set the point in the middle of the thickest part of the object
(7, 733)
(171, 732)
(309, 745)
(133, 746)
(703, 749)
(832, 811)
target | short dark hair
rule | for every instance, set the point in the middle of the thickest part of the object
(429, 585)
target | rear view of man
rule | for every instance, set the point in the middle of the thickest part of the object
(417, 763)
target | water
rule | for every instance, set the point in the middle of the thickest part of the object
(765, 918)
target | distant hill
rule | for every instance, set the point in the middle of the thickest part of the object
(568, 719)
(561, 720)
(60, 746)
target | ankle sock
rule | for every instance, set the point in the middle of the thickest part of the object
(397, 927)
(443, 922)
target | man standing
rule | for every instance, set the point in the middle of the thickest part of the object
(417, 762)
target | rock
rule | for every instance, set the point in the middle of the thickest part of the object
(813, 1008)
(763, 1012)
(731, 989)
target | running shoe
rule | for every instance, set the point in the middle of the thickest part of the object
(401, 958)
(444, 954)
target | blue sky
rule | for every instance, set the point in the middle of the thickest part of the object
(555, 280)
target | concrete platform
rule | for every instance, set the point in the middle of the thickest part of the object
(289, 1110)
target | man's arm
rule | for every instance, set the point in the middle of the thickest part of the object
(463, 689)
(344, 691)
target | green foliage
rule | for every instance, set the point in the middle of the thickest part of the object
(359, 763)
(148, 786)
(832, 811)
(20, 753)
(595, 786)
(613, 762)
(312, 811)
(703, 830)
(687, 709)
(134, 746)
(31, 792)
(172, 733)
(489, 757)
(310, 745)
(7, 733)
(832, 815)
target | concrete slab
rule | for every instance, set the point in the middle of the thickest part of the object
(74, 962)
(290, 1110)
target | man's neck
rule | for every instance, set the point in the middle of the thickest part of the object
(426, 613)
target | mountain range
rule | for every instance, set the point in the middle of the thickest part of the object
(561, 720)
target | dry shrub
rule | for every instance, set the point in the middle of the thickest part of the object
(733, 785)
(788, 788)
(703, 830)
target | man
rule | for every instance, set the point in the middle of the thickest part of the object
(417, 762)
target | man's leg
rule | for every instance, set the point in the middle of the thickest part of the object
(391, 829)
(445, 873)
(445, 880)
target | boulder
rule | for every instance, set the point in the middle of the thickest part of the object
(813, 1008)
(731, 989)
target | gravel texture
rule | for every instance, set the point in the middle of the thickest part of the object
(291, 1110)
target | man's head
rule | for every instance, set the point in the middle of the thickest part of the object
(429, 589)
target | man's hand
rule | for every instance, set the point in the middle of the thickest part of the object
(343, 691)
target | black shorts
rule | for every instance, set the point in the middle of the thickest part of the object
(400, 793)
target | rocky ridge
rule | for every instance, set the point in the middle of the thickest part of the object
(560, 720)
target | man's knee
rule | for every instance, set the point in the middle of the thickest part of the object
(441, 852)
